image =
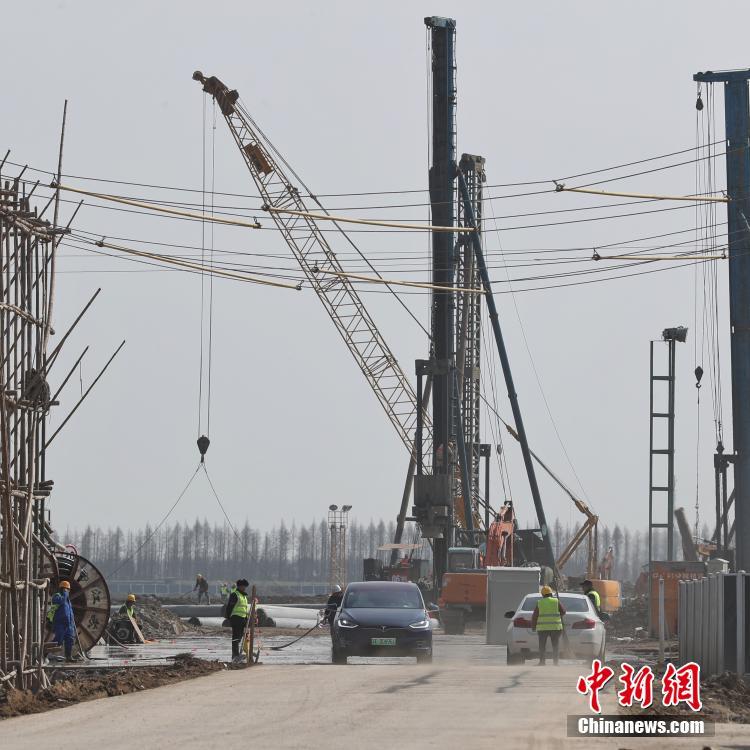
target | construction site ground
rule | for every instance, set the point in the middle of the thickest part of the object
(296, 698)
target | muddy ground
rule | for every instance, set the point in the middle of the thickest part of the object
(726, 699)
(74, 686)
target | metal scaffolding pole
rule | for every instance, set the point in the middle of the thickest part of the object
(26, 565)
(442, 199)
(737, 124)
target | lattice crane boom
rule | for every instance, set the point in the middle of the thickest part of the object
(319, 264)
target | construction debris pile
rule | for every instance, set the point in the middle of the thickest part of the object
(75, 686)
(726, 697)
(156, 622)
(631, 620)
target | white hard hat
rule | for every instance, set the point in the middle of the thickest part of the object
(337, 587)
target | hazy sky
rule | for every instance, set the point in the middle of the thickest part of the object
(544, 90)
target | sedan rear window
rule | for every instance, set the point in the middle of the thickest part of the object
(574, 604)
(571, 603)
(385, 598)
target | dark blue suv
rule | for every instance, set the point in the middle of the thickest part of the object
(381, 618)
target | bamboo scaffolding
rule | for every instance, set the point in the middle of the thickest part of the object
(26, 244)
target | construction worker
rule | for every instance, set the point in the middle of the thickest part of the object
(60, 616)
(224, 591)
(593, 594)
(129, 607)
(332, 605)
(547, 621)
(237, 612)
(201, 586)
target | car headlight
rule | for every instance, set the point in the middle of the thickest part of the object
(345, 622)
(421, 625)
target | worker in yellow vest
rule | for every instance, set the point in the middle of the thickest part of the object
(548, 623)
(237, 612)
(129, 607)
(593, 594)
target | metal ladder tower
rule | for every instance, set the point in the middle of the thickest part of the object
(661, 478)
(468, 331)
(737, 124)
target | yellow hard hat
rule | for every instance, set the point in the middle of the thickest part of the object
(546, 590)
(131, 597)
(64, 584)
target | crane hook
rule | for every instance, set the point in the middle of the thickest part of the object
(203, 443)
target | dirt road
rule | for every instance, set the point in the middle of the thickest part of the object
(467, 697)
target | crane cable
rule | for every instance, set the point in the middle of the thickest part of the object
(156, 528)
(204, 373)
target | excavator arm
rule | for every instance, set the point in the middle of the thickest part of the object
(588, 531)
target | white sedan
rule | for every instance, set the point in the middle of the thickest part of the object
(585, 631)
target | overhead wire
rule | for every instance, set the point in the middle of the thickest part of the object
(534, 367)
(195, 267)
(561, 188)
(384, 227)
(523, 183)
(242, 277)
(401, 254)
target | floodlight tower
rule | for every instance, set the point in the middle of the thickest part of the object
(338, 520)
(661, 478)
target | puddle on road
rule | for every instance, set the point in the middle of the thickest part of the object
(313, 649)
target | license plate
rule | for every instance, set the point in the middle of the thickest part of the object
(383, 642)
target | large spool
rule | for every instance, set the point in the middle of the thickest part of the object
(89, 595)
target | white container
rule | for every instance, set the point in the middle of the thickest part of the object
(717, 565)
(506, 588)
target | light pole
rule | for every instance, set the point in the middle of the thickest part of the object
(338, 520)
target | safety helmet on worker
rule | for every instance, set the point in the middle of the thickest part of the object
(131, 597)
(337, 588)
(547, 590)
(65, 585)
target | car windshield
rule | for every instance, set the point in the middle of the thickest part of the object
(571, 603)
(385, 598)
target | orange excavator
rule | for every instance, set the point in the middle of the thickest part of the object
(463, 594)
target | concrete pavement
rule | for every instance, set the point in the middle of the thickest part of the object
(468, 697)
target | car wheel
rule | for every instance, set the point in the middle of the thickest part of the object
(338, 657)
(514, 658)
(424, 658)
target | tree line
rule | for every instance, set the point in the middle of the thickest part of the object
(298, 552)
